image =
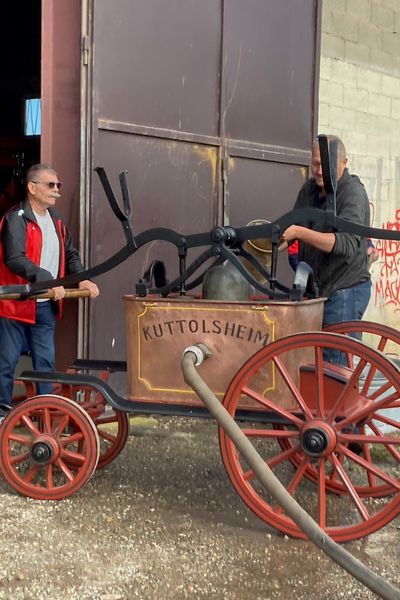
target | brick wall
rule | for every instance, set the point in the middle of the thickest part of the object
(360, 102)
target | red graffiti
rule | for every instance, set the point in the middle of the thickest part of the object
(387, 286)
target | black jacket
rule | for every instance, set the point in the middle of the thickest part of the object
(347, 264)
(17, 250)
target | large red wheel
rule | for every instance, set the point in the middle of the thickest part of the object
(324, 404)
(49, 447)
(382, 338)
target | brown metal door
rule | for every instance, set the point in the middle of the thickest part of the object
(210, 107)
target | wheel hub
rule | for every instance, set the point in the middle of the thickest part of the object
(41, 453)
(44, 450)
(318, 438)
(314, 441)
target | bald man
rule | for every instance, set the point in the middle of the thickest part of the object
(339, 260)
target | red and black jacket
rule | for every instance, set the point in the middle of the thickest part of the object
(20, 250)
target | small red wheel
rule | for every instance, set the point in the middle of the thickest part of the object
(318, 421)
(49, 447)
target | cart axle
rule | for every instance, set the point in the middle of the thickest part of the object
(318, 438)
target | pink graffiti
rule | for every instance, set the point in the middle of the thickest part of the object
(387, 286)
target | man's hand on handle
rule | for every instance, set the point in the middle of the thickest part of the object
(58, 292)
(91, 287)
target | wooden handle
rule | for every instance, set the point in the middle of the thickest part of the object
(74, 293)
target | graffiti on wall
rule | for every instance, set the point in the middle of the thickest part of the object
(387, 281)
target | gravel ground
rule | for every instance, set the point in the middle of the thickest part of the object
(162, 521)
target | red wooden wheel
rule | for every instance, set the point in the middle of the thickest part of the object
(380, 336)
(323, 403)
(49, 447)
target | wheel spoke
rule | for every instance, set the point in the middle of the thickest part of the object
(24, 440)
(76, 457)
(64, 469)
(271, 433)
(389, 447)
(71, 439)
(49, 477)
(347, 389)
(372, 479)
(288, 379)
(382, 343)
(60, 424)
(383, 389)
(369, 406)
(369, 380)
(296, 479)
(386, 420)
(370, 467)
(320, 382)
(103, 420)
(19, 458)
(285, 414)
(47, 420)
(369, 439)
(31, 473)
(334, 475)
(282, 457)
(105, 435)
(29, 424)
(350, 488)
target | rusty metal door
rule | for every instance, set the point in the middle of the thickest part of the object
(210, 105)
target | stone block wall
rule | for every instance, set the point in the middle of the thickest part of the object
(360, 102)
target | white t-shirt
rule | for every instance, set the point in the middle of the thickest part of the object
(50, 254)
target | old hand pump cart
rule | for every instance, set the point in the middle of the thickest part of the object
(330, 432)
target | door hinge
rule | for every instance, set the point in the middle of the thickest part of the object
(85, 50)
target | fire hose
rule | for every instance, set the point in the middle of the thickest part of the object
(193, 357)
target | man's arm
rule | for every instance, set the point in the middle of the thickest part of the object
(322, 241)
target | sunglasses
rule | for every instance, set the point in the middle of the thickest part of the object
(50, 184)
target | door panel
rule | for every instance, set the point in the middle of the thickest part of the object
(269, 51)
(157, 63)
(210, 107)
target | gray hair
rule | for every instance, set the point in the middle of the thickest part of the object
(33, 172)
(342, 154)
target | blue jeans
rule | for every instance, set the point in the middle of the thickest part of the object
(15, 337)
(349, 304)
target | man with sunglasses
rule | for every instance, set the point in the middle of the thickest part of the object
(35, 246)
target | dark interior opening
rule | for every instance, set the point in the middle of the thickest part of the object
(20, 120)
